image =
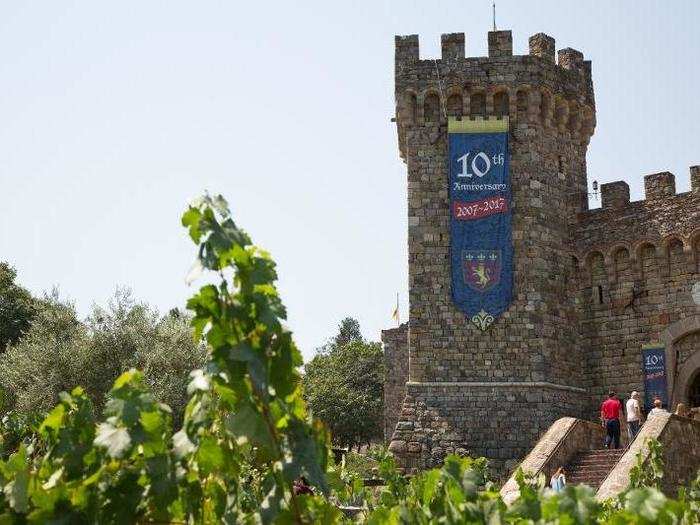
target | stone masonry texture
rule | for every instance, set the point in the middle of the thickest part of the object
(396, 371)
(591, 286)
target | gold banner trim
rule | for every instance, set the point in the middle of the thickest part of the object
(477, 125)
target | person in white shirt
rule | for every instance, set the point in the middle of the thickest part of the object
(634, 415)
(658, 404)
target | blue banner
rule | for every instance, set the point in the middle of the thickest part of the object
(654, 368)
(480, 218)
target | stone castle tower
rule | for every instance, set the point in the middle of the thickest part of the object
(580, 278)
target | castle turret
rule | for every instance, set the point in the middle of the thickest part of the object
(493, 392)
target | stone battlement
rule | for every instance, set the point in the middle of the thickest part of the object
(500, 45)
(531, 89)
(660, 219)
(657, 186)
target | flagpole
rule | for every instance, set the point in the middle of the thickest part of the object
(494, 15)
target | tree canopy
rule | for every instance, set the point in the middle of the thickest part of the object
(17, 307)
(58, 352)
(343, 386)
(348, 332)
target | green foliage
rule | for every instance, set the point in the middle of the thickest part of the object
(348, 332)
(649, 472)
(246, 436)
(16, 428)
(362, 465)
(343, 385)
(456, 493)
(17, 307)
(59, 352)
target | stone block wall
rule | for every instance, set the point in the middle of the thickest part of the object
(395, 343)
(499, 421)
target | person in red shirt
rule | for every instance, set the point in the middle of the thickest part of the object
(610, 416)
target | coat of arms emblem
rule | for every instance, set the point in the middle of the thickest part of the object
(482, 269)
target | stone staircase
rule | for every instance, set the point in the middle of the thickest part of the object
(591, 467)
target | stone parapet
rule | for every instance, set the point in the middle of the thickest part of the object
(662, 214)
(615, 194)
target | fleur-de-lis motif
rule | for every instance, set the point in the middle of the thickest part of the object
(483, 320)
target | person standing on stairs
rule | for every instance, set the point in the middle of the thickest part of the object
(634, 415)
(610, 417)
(558, 481)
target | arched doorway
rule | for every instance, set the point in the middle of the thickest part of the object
(682, 342)
(694, 391)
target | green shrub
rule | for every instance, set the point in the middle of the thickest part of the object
(58, 353)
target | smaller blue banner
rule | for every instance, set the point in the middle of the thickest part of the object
(654, 369)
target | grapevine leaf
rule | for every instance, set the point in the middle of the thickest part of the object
(247, 425)
(182, 446)
(115, 440)
(210, 455)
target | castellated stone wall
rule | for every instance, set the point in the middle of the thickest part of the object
(571, 331)
(637, 263)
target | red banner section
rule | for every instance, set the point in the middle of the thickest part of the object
(469, 211)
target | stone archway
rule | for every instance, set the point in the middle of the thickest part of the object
(683, 364)
(687, 382)
(693, 399)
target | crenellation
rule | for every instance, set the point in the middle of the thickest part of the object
(543, 46)
(659, 185)
(452, 45)
(615, 194)
(407, 49)
(695, 179)
(500, 44)
(569, 58)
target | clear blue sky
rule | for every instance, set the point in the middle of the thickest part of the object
(114, 114)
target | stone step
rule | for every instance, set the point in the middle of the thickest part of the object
(596, 469)
(592, 463)
(591, 467)
(593, 483)
(605, 452)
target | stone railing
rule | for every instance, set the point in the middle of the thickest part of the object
(680, 441)
(565, 439)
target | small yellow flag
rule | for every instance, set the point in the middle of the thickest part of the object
(395, 315)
